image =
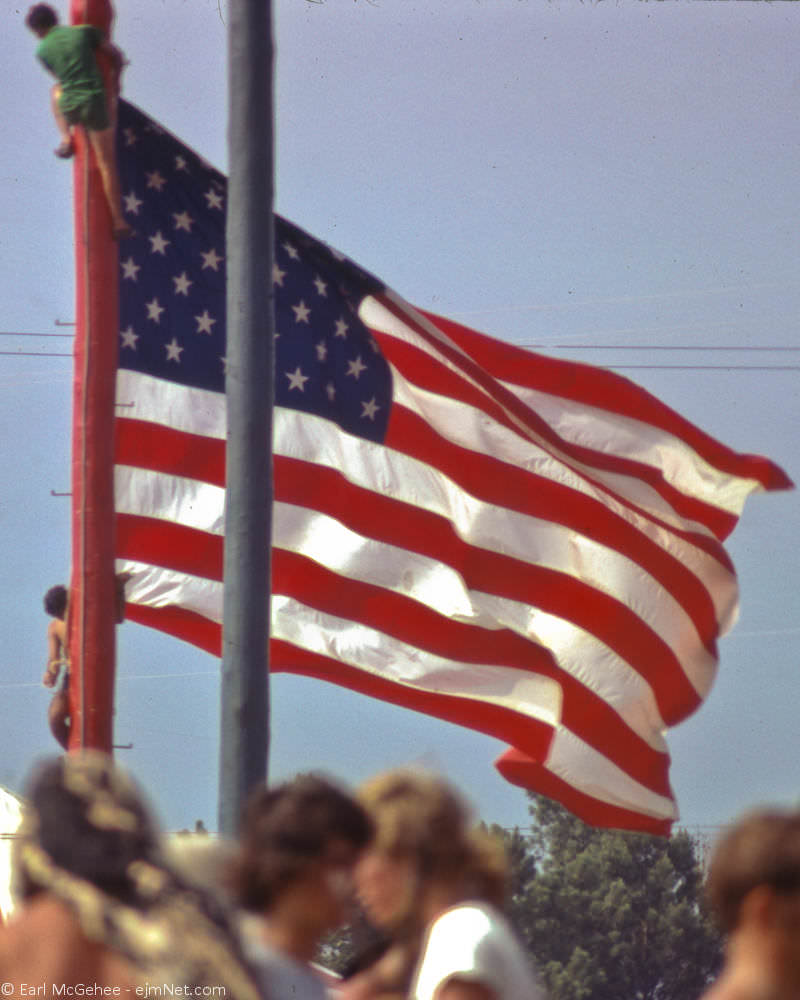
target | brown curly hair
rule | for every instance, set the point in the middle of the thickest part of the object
(763, 848)
(286, 828)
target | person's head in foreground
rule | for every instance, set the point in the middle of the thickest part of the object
(426, 853)
(299, 842)
(90, 849)
(753, 886)
(437, 885)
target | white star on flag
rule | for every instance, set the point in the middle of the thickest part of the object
(158, 243)
(204, 322)
(154, 310)
(182, 284)
(155, 180)
(132, 203)
(211, 259)
(183, 221)
(130, 269)
(129, 338)
(297, 380)
(355, 368)
(173, 350)
(370, 409)
(301, 312)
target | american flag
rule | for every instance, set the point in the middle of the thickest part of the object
(528, 547)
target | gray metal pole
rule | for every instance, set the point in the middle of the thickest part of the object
(244, 721)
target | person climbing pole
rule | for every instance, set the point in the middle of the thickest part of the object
(80, 98)
(58, 714)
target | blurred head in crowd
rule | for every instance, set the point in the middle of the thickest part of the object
(753, 885)
(90, 842)
(299, 842)
(425, 851)
(86, 818)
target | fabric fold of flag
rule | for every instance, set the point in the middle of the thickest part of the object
(528, 547)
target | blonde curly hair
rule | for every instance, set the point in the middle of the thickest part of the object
(419, 816)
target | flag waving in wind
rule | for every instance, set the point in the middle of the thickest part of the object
(527, 547)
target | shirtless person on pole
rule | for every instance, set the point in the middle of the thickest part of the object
(55, 604)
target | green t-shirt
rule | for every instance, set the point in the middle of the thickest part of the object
(68, 52)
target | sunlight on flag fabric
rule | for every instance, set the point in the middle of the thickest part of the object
(527, 547)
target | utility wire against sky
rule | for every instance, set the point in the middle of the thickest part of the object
(563, 347)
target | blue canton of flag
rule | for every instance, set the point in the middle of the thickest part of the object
(172, 290)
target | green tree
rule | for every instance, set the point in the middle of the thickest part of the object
(611, 915)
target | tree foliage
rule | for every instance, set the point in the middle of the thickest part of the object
(611, 915)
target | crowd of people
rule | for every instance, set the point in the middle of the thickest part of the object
(105, 902)
(108, 906)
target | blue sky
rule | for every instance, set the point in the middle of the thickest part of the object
(551, 173)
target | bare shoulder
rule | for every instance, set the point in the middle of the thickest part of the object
(58, 629)
(725, 989)
(37, 937)
(44, 916)
(462, 989)
(44, 941)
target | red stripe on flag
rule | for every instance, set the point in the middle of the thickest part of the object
(146, 445)
(180, 623)
(522, 770)
(606, 390)
(482, 716)
(170, 545)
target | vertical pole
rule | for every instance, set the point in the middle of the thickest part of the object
(92, 611)
(244, 713)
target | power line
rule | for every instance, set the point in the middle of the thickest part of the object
(717, 368)
(11, 333)
(654, 347)
(686, 368)
(555, 347)
(36, 354)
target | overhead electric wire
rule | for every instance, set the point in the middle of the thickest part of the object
(768, 348)
(12, 333)
(713, 368)
(655, 347)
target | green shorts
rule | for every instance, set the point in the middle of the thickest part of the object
(92, 113)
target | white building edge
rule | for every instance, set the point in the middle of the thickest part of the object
(10, 818)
